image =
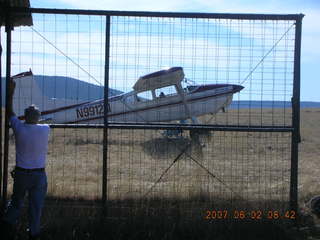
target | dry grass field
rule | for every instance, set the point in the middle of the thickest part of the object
(235, 170)
(309, 154)
(247, 165)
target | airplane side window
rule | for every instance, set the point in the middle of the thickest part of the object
(165, 92)
(144, 96)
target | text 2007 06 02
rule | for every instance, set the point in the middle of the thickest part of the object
(254, 215)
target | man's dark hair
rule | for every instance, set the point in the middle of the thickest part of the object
(32, 114)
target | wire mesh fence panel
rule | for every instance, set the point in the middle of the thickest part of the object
(235, 73)
(235, 170)
(74, 164)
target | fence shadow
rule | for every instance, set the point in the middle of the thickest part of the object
(158, 219)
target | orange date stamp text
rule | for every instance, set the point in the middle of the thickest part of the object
(252, 214)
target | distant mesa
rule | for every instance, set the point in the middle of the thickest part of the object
(67, 88)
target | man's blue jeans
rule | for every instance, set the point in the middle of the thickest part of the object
(35, 183)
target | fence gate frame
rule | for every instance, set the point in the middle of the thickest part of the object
(294, 128)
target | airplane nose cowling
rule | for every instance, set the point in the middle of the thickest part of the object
(237, 88)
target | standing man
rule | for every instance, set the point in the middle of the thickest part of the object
(31, 141)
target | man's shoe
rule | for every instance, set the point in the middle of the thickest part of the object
(34, 237)
(7, 230)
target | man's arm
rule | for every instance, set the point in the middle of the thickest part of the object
(12, 86)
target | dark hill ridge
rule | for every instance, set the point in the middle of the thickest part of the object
(68, 88)
(71, 88)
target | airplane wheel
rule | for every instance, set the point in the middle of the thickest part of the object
(196, 138)
(197, 133)
(194, 134)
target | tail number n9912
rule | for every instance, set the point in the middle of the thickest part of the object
(90, 111)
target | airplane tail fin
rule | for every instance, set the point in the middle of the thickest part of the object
(28, 92)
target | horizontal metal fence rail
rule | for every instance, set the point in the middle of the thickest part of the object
(162, 14)
(179, 127)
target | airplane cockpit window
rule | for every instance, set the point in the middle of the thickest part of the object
(144, 96)
(165, 92)
(188, 85)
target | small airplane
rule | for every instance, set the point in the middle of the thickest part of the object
(156, 97)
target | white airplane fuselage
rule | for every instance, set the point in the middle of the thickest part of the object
(202, 100)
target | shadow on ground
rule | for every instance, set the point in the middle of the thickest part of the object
(157, 219)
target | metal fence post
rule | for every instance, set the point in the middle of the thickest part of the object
(6, 133)
(0, 116)
(295, 139)
(106, 104)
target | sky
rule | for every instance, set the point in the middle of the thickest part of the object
(310, 51)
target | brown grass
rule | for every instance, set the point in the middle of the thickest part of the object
(309, 154)
(256, 163)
